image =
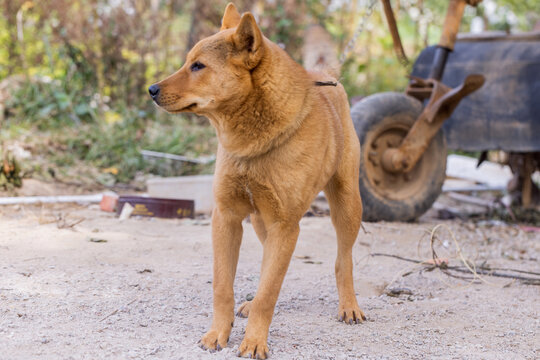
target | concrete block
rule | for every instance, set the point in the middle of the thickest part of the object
(197, 188)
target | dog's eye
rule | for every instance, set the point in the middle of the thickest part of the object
(196, 66)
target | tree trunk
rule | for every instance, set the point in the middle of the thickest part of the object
(10, 10)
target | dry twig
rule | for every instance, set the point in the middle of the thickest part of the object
(468, 266)
(116, 311)
(462, 269)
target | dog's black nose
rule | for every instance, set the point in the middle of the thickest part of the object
(153, 90)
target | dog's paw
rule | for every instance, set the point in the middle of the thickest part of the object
(214, 340)
(351, 315)
(253, 349)
(243, 310)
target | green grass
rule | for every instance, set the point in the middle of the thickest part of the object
(104, 144)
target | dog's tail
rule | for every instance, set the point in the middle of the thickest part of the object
(319, 52)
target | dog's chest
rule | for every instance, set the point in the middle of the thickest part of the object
(249, 194)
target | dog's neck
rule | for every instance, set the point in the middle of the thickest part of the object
(272, 111)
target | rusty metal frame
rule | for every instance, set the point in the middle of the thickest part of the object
(442, 99)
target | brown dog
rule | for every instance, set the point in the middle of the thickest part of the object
(281, 140)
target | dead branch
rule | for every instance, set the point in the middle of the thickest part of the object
(463, 269)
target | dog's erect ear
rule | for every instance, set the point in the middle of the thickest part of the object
(231, 17)
(248, 38)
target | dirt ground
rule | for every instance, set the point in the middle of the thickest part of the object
(141, 289)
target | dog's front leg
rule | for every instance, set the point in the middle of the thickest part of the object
(278, 249)
(226, 240)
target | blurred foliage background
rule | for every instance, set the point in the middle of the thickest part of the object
(74, 73)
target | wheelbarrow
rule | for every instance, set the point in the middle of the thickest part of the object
(403, 140)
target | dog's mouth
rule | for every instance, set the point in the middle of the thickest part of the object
(188, 108)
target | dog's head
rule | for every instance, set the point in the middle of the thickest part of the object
(217, 71)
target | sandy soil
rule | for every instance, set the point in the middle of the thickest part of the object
(141, 289)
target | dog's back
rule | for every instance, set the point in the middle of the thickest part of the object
(319, 57)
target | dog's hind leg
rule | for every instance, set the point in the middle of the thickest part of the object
(260, 230)
(346, 212)
(226, 240)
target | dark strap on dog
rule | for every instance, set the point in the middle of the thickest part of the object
(326, 83)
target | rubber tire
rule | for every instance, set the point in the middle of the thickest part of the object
(367, 115)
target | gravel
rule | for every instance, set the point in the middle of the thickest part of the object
(145, 292)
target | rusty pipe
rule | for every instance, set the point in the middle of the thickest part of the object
(454, 14)
(394, 31)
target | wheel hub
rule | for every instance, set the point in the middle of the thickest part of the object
(382, 151)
